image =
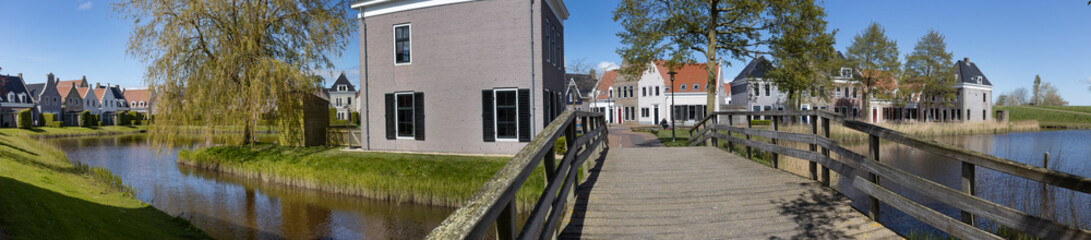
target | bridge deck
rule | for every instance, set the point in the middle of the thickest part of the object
(705, 193)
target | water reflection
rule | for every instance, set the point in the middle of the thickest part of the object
(230, 207)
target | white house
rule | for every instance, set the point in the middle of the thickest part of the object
(689, 92)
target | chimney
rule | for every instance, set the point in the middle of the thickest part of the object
(966, 60)
(98, 85)
(73, 85)
(20, 75)
(48, 79)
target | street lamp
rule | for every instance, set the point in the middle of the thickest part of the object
(673, 111)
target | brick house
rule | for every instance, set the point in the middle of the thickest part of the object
(487, 67)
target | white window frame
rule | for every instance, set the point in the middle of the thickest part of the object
(496, 119)
(395, 37)
(414, 128)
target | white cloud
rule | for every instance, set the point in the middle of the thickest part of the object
(84, 6)
(1087, 81)
(607, 66)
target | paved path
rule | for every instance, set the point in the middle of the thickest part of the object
(624, 137)
(705, 193)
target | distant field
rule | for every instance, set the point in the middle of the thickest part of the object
(1051, 119)
(1086, 109)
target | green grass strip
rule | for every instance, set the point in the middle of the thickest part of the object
(442, 180)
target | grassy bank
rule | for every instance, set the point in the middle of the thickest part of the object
(44, 196)
(443, 180)
(1048, 118)
(72, 131)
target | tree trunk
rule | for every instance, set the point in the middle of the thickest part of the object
(866, 102)
(711, 64)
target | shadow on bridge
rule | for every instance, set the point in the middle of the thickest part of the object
(815, 214)
(574, 228)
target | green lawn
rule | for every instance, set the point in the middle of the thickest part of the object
(44, 196)
(1085, 109)
(444, 180)
(681, 137)
(1048, 118)
(49, 131)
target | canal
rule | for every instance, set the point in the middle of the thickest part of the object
(1070, 152)
(229, 207)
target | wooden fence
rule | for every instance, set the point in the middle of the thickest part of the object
(710, 131)
(495, 201)
(343, 136)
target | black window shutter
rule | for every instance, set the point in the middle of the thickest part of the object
(489, 131)
(547, 109)
(418, 115)
(389, 116)
(524, 115)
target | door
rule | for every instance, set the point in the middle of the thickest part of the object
(873, 117)
(619, 115)
(655, 121)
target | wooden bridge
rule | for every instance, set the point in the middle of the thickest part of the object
(705, 192)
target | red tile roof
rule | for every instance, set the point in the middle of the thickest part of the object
(688, 74)
(83, 92)
(605, 83)
(137, 95)
(63, 90)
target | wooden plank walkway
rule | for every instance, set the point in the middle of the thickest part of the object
(705, 193)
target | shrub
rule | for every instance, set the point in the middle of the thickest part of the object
(85, 119)
(24, 119)
(355, 118)
(49, 120)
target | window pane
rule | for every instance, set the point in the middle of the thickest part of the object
(506, 114)
(405, 115)
(401, 44)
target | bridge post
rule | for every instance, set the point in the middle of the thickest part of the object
(873, 152)
(826, 152)
(812, 166)
(505, 223)
(730, 123)
(776, 127)
(749, 122)
(968, 187)
(712, 141)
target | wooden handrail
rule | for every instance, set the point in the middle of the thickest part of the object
(495, 200)
(855, 163)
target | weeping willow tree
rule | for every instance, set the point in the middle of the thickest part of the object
(219, 67)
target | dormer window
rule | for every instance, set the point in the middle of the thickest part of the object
(683, 87)
(846, 72)
(696, 86)
(978, 79)
(342, 88)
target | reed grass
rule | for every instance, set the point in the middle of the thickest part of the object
(925, 130)
(442, 180)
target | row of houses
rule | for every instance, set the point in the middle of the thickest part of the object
(972, 101)
(67, 99)
(647, 98)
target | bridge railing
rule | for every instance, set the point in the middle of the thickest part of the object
(495, 201)
(711, 130)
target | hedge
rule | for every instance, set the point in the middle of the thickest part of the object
(355, 118)
(85, 119)
(24, 119)
(48, 120)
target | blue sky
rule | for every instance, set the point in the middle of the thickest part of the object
(1010, 40)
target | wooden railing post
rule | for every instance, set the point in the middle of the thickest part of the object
(873, 152)
(583, 125)
(968, 187)
(776, 127)
(812, 166)
(749, 121)
(505, 223)
(730, 123)
(826, 152)
(712, 141)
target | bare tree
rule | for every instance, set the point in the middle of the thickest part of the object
(580, 66)
(1019, 96)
